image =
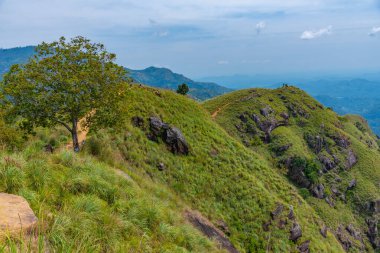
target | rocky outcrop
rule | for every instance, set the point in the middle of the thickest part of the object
(277, 212)
(351, 184)
(318, 191)
(15, 215)
(372, 233)
(351, 159)
(209, 230)
(343, 238)
(171, 136)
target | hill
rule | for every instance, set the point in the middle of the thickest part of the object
(8, 57)
(165, 78)
(82, 203)
(333, 160)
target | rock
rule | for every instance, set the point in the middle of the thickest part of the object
(209, 230)
(351, 159)
(334, 190)
(352, 184)
(327, 163)
(295, 232)
(352, 231)
(338, 179)
(243, 118)
(296, 172)
(277, 212)
(373, 232)
(291, 215)
(172, 136)
(266, 226)
(304, 247)
(15, 215)
(175, 140)
(138, 122)
(374, 206)
(282, 223)
(343, 239)
(316, 143)
(329, 201)
(161, 166)
(266, 111)
(255, 118)
(318, 191)
(323, 231)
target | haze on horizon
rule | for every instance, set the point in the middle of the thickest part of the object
(210, 37)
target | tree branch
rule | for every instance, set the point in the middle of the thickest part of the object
(64, 124)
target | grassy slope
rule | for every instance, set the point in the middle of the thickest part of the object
(366, 171)
(83, 206)
(221, 178)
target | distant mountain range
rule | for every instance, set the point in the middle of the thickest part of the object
(166, 79)
(152, 76)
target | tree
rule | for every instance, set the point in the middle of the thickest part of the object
(183, 89)
(63, 83)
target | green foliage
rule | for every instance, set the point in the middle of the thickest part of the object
(63, 83)
(183, 89)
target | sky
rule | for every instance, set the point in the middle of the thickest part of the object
(202, 38)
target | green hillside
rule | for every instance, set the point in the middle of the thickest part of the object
(333, 161)
(84, 206)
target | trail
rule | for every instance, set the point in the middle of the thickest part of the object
(214, 114)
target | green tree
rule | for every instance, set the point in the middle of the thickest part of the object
(63, 83)
(183, 89)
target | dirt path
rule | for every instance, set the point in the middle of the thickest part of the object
(214, 114)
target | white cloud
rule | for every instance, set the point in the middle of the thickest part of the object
(374, 31)
(162, 34)
(260, 26)
(309, 34)
(223, 62)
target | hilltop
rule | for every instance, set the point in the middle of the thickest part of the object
(165, 78)
(333, 160)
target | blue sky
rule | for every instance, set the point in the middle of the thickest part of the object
(210, 37)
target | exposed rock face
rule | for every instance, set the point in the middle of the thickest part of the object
(351, 159)
(353, 232)
(266, 111)
(343, 239)
(304, 247)
(318, 191)
(375, 206)
(15, 215)
(208, 229)
(327, 163)
(316, 143)
(172, 136)
(295, 232)
(373, 232)
(324, 231)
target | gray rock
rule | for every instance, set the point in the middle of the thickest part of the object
(351, 159)
(352, 184)
(161, 166)
(324, 231)
(318, 191)
(295, 232)
(175, 140)
(343, 239)
(353, 232)
(266, 111)
(304, 247)
(372, 233)
(375, 206)
(277, 212)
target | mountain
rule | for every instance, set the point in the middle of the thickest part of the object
(334, 161)
(8, 57)
(165, 78)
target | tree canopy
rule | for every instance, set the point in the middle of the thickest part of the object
(183, 89)
(64, 82)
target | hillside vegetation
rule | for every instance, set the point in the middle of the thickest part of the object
(333, 161)
(84, 206)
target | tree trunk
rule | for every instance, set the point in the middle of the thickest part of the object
(74, 135)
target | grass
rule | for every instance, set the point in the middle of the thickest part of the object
(318, 121)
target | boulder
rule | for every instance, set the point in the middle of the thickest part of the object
(351, 159)
(15, 215)
(277, 212)
(172, 136)
(266, 111)
(295, 232)
(352, 184)
(318, 191)
(304, 247)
